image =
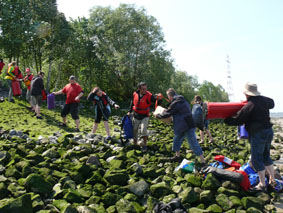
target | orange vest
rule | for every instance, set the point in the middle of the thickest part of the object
(142, 106)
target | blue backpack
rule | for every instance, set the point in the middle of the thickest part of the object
(198, 116)
(127, 128)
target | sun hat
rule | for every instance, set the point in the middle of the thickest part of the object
(251, 89)
(72, 77)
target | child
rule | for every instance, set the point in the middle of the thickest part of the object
(102, 105)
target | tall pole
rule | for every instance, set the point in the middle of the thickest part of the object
(229, 81)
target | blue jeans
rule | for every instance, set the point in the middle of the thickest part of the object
(192, 140)
(260, 148)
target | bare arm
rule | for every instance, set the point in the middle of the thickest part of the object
(59, 92)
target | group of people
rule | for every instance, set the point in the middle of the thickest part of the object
(255, 116)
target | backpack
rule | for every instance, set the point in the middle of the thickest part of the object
(127, 128)
(198, 116)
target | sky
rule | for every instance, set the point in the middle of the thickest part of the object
(201, 33)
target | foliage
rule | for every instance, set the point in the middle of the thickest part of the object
(115, 48)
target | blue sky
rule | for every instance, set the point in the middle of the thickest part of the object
(200, 33)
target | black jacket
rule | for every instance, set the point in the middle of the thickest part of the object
(36, 86)
(255, 114)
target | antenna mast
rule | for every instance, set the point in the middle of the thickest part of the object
(229, 81)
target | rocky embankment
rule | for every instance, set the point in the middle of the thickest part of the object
(55, 170)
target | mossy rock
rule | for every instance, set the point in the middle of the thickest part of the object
(210, 183)
(99, 189)
(60, 204)
(188, 196)
(93, 200)
(236, 201)
(160, 189)
(95, 178)
(3, 191)
(150, 172)
(193, 179)
(73, 196)
(139, 188)
(116, 177)
(214, 208)
(228, 192)
(16, 190)
(255, 202)
(150, 203)
(224, 202)
(206, 196)
(131, 197)
(117, 164)
(253, 210)
(197, 210)
(11, 171)
(110, 199)
(124, 205)
(264, 197)
(21, 204)
(38, 184)
(4, 157)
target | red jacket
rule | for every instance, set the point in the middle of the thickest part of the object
(142, 105)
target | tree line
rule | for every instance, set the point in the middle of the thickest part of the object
(115, 48)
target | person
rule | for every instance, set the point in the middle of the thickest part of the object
(183, 125)
(198, 100)
(2, 64)
(74, 92)
(255, 116)
(102, 105)
(10, 76)
(27, 80)
(36, 93)
(140, 106)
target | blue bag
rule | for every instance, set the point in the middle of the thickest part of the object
(246, 168)
(198, 116)
(243, 134)
(127, 126)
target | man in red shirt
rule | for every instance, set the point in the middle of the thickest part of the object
(74, 92)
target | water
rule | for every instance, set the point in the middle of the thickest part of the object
(276, 114)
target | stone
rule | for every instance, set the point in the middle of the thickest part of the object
(16, 190)
(116, 177)
(4, 157)
(131, 197)
(60, 204)
(228, 192)
(73, 196)
(214, 208)
(93, 200)
(136, 168)
(197, 210)
(188, 196)
(210, 183)
(160, 190)
(111, 158)
(255, 202)
(111, 209)
(193, 179)
(13, 132)
(93, 160)
(224, 202)
(253, 210)
(116, 164)
(206, 196)
(264, 197)
(85, 209)
(125, 206)
(51, 153)
(3, 190)
(139, 188)
(168, 198)
(37, 184)
(109, 199)
(236, 201)
(177, 189)
(21, 204)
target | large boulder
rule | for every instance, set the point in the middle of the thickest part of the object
(188, 196)
(38, 184)
(160, 190)
(124, 205)
(255, 202)
(21, 204)
(206, 196)
(193, 179)
(139, 188)
(224, 202)
(51, 153)
(116, 177)
(73, 196)
(210, 183)
(109, 199)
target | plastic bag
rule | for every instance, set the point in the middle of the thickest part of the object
(186, 166)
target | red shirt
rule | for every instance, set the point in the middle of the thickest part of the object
(1, 66)
(72, 91)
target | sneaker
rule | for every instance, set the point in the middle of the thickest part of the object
(211, 141)
(39, 117)
(144, 149)
(258, 188)
(201, 142)
(62, 124)
(176, 159)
